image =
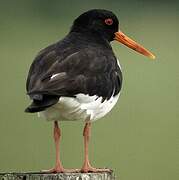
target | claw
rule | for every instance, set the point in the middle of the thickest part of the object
(61, 170)
(88, 168)
(55, 170)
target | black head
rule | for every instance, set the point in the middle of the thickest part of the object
(104, 24)
(101, 22)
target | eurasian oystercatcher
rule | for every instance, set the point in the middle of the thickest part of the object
(79, 77)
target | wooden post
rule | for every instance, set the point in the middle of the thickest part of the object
(58, 176)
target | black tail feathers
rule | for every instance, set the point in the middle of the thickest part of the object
(41, 105)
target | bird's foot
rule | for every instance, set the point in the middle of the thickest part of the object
(61, 170)
(56, 169)
(88, 168)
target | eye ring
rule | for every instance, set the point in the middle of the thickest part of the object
(108, 21)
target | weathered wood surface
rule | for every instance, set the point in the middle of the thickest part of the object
(58, 176)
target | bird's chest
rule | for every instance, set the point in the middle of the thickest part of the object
(81, 107)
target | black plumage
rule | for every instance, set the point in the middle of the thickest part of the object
(82, 62)
(79, 78)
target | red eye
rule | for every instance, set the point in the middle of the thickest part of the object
(108, 21)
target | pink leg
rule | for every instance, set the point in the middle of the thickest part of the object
(58, 165)
(86, 165)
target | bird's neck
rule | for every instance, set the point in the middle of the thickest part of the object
(89, 37)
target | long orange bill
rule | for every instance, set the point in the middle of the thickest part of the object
(121, 37)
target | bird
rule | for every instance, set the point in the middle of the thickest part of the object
(79, 77)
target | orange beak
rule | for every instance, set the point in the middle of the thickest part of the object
(121, 37)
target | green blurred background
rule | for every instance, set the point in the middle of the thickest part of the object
(139, 139)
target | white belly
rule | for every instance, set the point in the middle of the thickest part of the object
(79, 108)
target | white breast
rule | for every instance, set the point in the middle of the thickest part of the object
(80, 107)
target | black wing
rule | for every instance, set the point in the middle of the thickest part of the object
(90, 71)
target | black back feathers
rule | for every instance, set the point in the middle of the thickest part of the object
(82, 62)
